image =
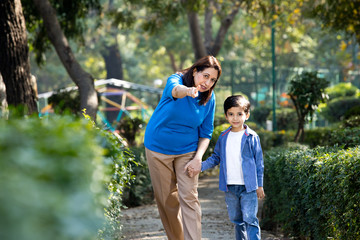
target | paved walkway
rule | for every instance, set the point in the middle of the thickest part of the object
(144, 222)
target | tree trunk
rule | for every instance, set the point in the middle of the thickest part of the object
(225, 25)
(195, 33)
(14, 56)
(208, 25)
(84, 81)
(111, 53)
(173, 62)
(209, 46)
(300, 132)
(113, 62)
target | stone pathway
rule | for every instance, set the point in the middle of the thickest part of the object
(144, 223)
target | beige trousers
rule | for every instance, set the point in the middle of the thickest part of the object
(176, 195)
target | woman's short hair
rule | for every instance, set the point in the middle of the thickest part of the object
(200, 65)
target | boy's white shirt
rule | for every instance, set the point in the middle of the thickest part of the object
(233, 158)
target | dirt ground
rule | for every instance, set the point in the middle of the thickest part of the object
(144, 223)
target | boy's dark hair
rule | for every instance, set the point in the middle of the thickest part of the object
(237, 101)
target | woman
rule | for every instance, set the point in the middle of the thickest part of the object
(176, 138)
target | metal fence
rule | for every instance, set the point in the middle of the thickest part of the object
(256, 82)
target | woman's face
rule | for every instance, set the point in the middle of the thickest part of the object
(205, 79)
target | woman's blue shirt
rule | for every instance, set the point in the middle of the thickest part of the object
(177, 123)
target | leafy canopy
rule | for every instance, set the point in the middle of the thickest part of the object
(307, 90)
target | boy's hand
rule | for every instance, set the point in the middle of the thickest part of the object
(260, 193)
(193, 167)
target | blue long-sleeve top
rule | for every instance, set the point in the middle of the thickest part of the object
(252, 160)
(177, 123)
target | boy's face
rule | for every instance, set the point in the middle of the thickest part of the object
(236, 117)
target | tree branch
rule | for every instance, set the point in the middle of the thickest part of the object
(225, 25)
(208, 25)
(85, 82)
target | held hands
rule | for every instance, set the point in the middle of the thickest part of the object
(193, 91)
(193, 167)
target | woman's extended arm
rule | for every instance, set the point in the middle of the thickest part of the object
(181, 91)
(195, 164)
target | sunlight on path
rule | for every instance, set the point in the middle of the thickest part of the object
(144, 222)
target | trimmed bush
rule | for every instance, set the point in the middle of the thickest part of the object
(354, 111)
(286, 118)
(347, 137)
(260, 114)
(341, 90)
(352, 122)
(314, 193)
(337, 108)
(214, 138)
(269, 139)
(140, 191)
(57, 177)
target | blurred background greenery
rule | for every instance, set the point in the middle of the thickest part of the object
(63, 177)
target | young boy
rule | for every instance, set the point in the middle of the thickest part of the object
(239, 153)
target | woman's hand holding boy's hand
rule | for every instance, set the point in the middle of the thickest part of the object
(260, 192)
(193, 167)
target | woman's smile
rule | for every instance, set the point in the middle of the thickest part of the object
(205, 79)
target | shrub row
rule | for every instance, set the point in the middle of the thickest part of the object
(57, 177)
(140, 190)
(313, 193)
(329, 136)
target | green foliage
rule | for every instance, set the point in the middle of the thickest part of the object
(347, 137)
(129, 128)
(65, 102)
(317, 137)
(253, 126)
(51, 179)
(286, 119)
(352, 122)
(339, 16)
(219, 117)
(161, 13)
(71, 16)
(352, 112)
(307, 92)
(58, 176)
(118, 163)
(341, 90)
(270, 139)
(313, 193)
(336, 109)
(329, 136)
(140, 191)
(260, 114)
(216, 133)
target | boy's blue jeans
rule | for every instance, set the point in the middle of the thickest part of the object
(242, 208)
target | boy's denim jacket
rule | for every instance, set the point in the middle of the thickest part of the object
(252, 160)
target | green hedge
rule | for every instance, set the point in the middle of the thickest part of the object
(336, 109)
(286, 118)
(313, 193)
(57, 176)
(342, 90)
(330, 136)
(140, 191)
